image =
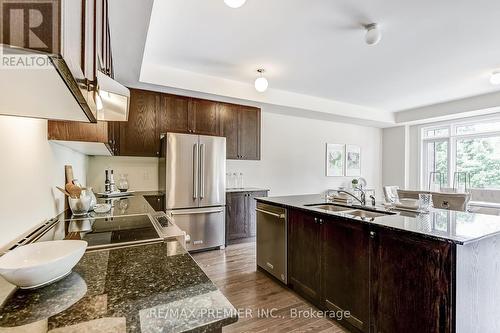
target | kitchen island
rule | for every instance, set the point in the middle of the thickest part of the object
(153, 287)
(394, 271)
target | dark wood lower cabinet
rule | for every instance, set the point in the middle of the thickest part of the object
(411, 283)
(240, 214)
(346, 270)
(236, 226)
(304, 255)
(389, 281)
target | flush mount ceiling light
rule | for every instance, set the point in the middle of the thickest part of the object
(235, 3)
(261, 83)
(495, 78)
(373, 34)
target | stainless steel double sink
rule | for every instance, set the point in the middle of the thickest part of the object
(355, 211)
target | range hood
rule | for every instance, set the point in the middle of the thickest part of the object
(40, 85)
(114, 98)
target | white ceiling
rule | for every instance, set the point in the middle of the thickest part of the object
(314, 51)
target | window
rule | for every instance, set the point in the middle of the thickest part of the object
(436, 132)
(472, 148)
(437, 161)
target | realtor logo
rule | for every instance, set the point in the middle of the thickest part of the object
(31, 24)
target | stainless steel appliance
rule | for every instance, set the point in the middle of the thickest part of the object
(192, 174)
(272, 240)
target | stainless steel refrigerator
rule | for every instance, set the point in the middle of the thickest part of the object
(193, 176)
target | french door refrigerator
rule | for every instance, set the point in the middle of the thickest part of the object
(193, 176)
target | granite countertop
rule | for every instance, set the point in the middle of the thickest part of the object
(450, 226)
(150, 288)
(246, 189)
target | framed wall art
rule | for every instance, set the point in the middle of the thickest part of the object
(352, 160)
(335, 157)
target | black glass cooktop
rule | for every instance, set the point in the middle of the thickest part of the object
(111, 231)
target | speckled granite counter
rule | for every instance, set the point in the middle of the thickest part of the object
(450, 226)
(149, 288)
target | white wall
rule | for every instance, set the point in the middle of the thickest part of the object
(394, 157)
(30, 168)
(142, 172)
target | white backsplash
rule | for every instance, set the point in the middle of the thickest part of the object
(142, 172)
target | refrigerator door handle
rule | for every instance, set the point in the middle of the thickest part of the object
(197, 211)
(195, 171)
(202, 171)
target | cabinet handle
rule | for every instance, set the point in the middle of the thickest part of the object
(372, 234)
(315, 220)
(320, 221)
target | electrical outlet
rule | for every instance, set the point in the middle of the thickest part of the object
(146, 175)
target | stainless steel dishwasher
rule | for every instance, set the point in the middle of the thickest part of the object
(272, 240)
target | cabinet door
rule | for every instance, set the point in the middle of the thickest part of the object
(236, 215)
(203, 117)
(251, 215)
(228, 114)
(345, 276)
(411, 283)
(249, 133)
(138, 136)
(173, 115)
(304, 255)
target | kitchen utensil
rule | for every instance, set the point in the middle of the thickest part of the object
(68, 171)
(63, 191)
(79, 206)
(39, 264)
(93, 199)
(74, 190)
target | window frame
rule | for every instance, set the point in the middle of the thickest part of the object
(452, 139)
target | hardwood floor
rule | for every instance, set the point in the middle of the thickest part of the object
(233, 270)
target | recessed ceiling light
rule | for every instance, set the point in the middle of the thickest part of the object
(373, 34)
(495, 78)
(261, 83)
(235, 3)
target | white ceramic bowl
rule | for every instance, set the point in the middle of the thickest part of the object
(39, 264)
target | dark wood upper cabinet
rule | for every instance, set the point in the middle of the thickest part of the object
(249, 133)
(346, 271)
(204, 117)
(241, 127)
(138, 135)
(173, 115)
(304, 255)
(411, 283)
(152, 114)
(229, 114)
